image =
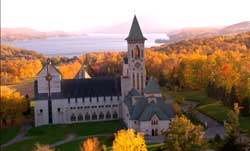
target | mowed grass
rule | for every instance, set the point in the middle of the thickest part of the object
(216, 110)
(209, 106)
(196, 96)
(50, 134)
(75, 145)
(6, 134)
(219, 112)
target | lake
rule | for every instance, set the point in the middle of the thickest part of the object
(77, 45)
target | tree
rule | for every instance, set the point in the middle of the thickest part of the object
(232, 132)
(91, 144)
(39, 147)
(128, 140)
(182, 135)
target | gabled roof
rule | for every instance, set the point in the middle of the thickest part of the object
(84, 88)
(44, 66)
(152, 87)
(144, 110)
(135, 32)
(85, 73)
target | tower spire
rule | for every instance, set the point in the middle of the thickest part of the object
(135, 33)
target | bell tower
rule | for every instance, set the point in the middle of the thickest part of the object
(135, 55)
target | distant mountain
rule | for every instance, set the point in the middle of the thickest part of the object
(190, 33)
(11, 34)
(236, 28)
(148, 25)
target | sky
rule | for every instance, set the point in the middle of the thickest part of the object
(74, 15)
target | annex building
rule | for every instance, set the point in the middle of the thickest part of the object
(130, 97)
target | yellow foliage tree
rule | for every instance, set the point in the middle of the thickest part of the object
(128, 140)
(183, 135)
(12, 105)
(91, 144)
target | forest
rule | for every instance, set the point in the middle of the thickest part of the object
(220, 65)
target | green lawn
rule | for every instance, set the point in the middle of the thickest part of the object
(216, 110)
(219, 112)
(75, 145)
(209, 106)
(53, 133)
(197, 96)
(7, 134)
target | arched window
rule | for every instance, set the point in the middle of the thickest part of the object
(87, 117)
(133, 80)
(101, 116)
(73, 117)
(142, 82)
(115, 115)
(137, 52)
(80, 117)
(108, 115)
(156, 132)
(138, 81)
(94, 116)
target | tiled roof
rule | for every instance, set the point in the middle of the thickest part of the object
(135, 32)
(84, 88)
(144, 110)
(152, 87)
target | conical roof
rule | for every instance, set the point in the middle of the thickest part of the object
(152, 87)
(135, 31)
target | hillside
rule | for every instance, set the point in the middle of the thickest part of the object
(11, 52)
(190, 33)
(240, 42)
(12, 34)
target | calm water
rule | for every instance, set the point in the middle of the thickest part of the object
(77, 45)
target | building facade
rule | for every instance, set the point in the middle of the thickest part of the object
(84, 99)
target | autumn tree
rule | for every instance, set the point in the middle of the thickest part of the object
(39, 147)
(182, 135)
(129, 140)
(12, 105)
(91, 144)
(232, 127)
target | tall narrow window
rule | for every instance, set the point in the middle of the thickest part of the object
(142, 83)
(137, 52)
(132, 53)
(138, 81)
(133, 80)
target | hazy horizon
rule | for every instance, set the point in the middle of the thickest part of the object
(78, 15)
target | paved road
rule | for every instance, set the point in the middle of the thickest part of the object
(213, 127)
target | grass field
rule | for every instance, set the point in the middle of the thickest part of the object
(219, 112)
(209, 106)
(7, 134)
(53, 133)
(197, 96)
(75, 145)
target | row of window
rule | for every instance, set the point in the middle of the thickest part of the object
(154, 122)
(94, 116)
(137, 86)
(93, 107)
(104, 99)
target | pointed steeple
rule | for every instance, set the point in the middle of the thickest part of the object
(135, 32)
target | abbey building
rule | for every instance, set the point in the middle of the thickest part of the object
(130, 97)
